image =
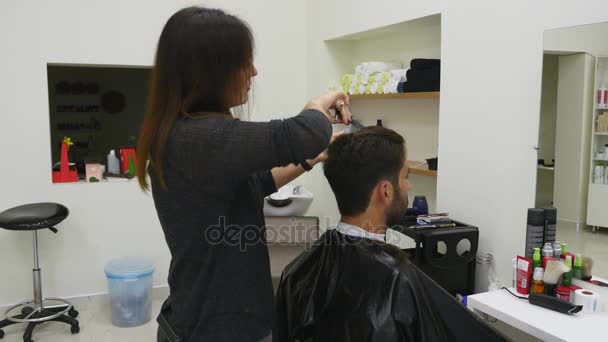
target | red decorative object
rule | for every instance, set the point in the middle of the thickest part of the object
(66, 174)
(125, 153)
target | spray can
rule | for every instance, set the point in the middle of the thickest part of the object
(550, 224)
(547, 253)
(557, 250)
(535, 230)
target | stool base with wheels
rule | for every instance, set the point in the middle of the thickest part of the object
(34, 217)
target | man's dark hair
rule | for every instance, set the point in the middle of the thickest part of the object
(357, 162)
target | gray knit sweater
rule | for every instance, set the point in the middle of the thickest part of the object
(217, 170)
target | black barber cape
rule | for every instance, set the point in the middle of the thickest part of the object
(355, 289)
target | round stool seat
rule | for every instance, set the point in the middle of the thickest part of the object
(33, 216)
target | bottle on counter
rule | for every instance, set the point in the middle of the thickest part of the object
(577, 270)
(537, 280)
(566, 253)
(567, 277)
(113, 163)
(563, 292)
(557, 250)
(547, 253)
(536, 259)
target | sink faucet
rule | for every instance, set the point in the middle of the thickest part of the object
(296, 189)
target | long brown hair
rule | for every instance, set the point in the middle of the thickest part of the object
(200, 59)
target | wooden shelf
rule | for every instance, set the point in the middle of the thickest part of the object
(423, 95)
(417, 169)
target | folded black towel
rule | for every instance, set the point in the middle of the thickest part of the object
(424, 63)
(417, 87)
(433, 74)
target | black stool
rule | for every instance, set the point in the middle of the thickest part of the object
(38, 310)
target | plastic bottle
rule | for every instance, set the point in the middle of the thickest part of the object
(566, 253)
(577, 270)
(536, 260)
(567, 277)
(537, 279)
(563, 292)
(113, 163)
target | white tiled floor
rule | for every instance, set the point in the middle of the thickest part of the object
(594, 245)
(95, 326)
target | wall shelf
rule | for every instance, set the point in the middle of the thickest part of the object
(421, 95)
(547, 168)
(603, 133)
(418, 169)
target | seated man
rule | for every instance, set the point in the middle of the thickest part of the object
(351, 285)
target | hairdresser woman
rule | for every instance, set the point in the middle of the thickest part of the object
(210, 173)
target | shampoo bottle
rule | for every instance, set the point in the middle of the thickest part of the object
(536, 260)
(577, 270)
(113, 163)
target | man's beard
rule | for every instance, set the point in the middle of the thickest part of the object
(394, 213)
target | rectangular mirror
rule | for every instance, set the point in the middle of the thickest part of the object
(573, 138)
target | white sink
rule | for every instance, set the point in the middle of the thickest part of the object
(301, 199)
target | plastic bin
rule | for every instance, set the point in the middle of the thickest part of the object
(130, 290)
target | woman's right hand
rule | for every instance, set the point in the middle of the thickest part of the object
(329, 101)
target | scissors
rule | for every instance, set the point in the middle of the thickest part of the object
(338, 115)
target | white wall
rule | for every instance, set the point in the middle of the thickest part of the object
(489, 114)
(586, 38)
(106, 220)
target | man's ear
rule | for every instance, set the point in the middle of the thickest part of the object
(385, 191)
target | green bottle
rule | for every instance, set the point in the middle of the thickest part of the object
(131, 170)
(567, 277)
(577, 270)
(536, 260)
